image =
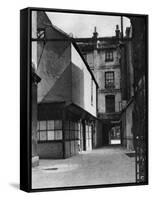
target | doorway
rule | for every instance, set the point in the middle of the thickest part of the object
(114, 135)
(111, 134)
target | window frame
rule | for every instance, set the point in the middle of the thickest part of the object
(107, 105)
(72, 131)
(109, 56)
(48, 129)
(109, 82)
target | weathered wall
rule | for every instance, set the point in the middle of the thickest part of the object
(101, 76)
(127, 124)
(50, 150)
(81, 84)
(99, 133)
(117, 101)
(96, 61)
(102, 101)
(130, 74)
(54, 69)
(96, 58)
(71, 148)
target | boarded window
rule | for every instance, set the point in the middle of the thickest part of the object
(110, 103)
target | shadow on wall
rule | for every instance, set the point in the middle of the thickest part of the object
(77, 86)
(61, 90)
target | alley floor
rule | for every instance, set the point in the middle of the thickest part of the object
(106, 165)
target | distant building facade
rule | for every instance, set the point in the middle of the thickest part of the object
(104, 58)
(67, 94)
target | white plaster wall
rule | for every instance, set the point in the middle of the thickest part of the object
(82, 86)
(90, 59)
(101, 103)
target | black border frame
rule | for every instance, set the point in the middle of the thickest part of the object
(25, 99)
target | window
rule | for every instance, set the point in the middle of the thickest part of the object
(110, 103)
(108, 56)
(40, 33)
(109, 80)
(49, 130)
(72, 130)
(91, 92)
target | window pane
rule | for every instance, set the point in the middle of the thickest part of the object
(43, 135)
(109, 79)
(108, 55)
(72, 125)
(71, 134)
(50, 125)
(66, 125)
(58, 124)
(67, 136)
(79, 126)
(42, 125)
(58, 135)
(76, 135)
(76, 126)
(38, 126)
(38, 135)
(50, 135)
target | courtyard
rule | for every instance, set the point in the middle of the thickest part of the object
(106, 165)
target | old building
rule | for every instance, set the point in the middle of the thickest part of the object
(104, 58)
(66, 94)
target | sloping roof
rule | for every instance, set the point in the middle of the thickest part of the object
(72, 40)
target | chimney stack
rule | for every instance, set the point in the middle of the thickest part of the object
(128, 32)
(117, 31)
(95, 34)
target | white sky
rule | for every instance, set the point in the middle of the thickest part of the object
(82, 25)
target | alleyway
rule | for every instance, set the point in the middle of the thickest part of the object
(101, 166)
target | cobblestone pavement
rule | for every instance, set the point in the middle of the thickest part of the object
(106, 165)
